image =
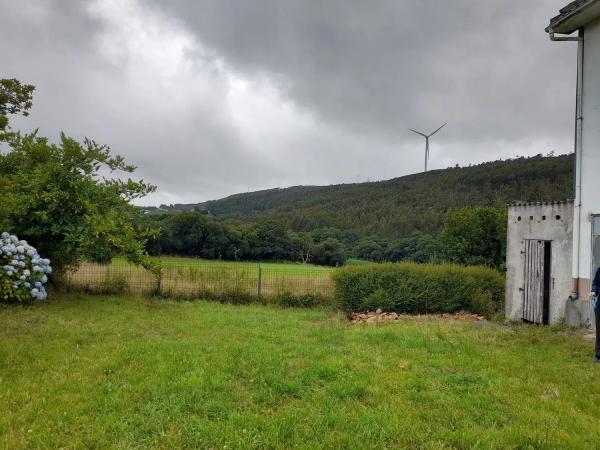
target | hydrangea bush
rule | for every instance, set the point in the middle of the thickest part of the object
(23, 272)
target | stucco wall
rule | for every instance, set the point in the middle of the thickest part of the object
(590, 157)
(547, 222)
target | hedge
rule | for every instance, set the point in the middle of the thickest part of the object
(419, 288)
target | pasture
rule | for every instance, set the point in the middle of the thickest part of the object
(130, 372)
(193, 277)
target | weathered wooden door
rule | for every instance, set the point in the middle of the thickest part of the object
(533, 291)
(595, 244)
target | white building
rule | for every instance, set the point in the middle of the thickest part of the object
(538, 272)
(532, 286)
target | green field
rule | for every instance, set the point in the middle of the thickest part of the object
(193, 277)
(127, 372)
(177, 261)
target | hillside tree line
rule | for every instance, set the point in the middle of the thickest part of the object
(469, 236)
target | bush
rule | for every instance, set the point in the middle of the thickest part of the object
(61, 199)
(419, 288)
(23, 272)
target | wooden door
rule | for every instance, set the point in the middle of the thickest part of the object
(533, 291)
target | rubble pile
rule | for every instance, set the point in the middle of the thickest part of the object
(381, 316)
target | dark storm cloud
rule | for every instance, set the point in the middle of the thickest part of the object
(485, 65)
(213, 97)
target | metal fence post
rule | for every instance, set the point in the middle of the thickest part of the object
(259, 279)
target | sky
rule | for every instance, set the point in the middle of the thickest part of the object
(210, 98)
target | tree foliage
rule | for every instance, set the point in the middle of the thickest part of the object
(455, 214)
(475, 236)
(54, 196)
(397, 208)
(15, 98)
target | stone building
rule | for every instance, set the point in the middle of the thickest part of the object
(528, 275)
(539, 261)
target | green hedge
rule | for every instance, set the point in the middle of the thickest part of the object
(419, 288)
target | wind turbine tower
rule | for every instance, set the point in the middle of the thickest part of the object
(427, 136)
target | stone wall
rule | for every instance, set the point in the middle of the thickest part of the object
(551, 221)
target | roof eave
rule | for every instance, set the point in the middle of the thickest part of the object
(576, 18)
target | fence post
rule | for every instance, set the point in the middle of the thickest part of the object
(158, 283)
(259, 279)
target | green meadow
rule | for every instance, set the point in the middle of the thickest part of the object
(130, 372)
(178, 261)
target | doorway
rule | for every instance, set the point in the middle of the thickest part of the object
(595, 244)
(537, 276)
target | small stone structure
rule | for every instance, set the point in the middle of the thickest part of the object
(539, 261)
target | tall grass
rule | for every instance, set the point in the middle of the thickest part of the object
(288, 284)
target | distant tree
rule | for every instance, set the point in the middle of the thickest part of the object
(475, 236)
(239, 246)
(420, 248)
(322, 234)
(194, 234)
(273, 241)
(369, 249)
(15, 98)
(330, 252)
(302, 244)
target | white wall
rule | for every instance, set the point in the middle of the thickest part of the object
(590, 158)
(527, 222)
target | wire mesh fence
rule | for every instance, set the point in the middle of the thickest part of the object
(188, 277)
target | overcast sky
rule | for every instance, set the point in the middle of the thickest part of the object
(214, 97)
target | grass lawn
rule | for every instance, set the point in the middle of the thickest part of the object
(115, 372)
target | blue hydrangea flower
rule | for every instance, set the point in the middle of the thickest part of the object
(22, 264)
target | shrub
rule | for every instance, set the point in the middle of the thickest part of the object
(61, 198)
(23, 273)
(419, 288)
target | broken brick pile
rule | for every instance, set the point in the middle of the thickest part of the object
(381, 316)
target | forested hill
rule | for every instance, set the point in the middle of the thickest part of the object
(398, 207)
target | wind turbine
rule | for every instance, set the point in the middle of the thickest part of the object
(427, 136)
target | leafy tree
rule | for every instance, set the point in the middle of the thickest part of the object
(322, 234)
(274, 241)
(302, 244)
(369, 249)
(54, 196)
(475, 236)
(193, 234)
(416, 248)
(330, 252)
(15, 98)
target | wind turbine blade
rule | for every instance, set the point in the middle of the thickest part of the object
(418, 132)
(438, 129)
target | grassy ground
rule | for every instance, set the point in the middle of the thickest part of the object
(114, 372)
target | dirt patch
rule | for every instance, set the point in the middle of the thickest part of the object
(589, 335)
(382, 316)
